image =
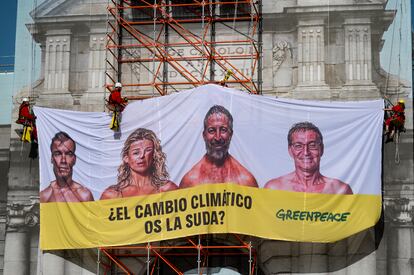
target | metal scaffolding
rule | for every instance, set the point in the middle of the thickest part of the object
(166, 46)
(156, 47)
(165, 258)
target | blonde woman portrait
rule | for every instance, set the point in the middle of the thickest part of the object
(143, 170)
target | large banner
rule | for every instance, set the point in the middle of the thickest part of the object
(210, 160)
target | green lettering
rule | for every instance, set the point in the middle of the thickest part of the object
(317, 215)
(296, 215)
(323, 217)
(280, 214)
(303, 215)
(344, 216)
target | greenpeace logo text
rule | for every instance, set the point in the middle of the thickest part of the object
(313, 216)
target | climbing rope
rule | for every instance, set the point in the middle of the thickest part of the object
(154, 18)
(397, 132)
(397, 150)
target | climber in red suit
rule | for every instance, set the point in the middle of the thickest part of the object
(116, 101)
(396, 121)
(25, 115)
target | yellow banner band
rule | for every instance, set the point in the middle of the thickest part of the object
(214, 208)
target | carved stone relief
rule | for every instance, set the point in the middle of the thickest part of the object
(280, 52)
(282, 57)
(22, 215)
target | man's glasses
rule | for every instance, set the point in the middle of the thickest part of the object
(297, 146)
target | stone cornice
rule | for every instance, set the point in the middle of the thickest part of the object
(38, 29)
(46, 7)
(56, 22)
(362, 8)
(372, 11)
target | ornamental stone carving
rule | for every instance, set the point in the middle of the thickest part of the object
(399, 211)
(311, 53)
(22, 214)
(97, 58)
(280, 52)
(358, 60)
(57, 58)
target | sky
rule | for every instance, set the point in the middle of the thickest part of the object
(396, 53)
(7, 33)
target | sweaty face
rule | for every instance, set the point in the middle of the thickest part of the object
(217, 136)
(306, 150)
(140, 156)
(63, 158)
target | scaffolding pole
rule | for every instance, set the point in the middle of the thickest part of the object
(183, 45)
(172, 257)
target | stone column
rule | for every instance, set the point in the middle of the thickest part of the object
(275, 257)
(56, 69)
(311, 53)
(337, 259)
(401, 238)
(57, 60)
(97, 61)
(52, 264)
(312, 258)
(93, 99)
(311, 59)
(42, 61)
(20, 217)
(361, 253)
(358, 61)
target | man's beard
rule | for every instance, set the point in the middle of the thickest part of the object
(217, 155)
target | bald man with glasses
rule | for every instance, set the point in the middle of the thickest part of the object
(305, 146)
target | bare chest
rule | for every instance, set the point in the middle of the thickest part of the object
(131, 191)
(66, 194)
(220, 175)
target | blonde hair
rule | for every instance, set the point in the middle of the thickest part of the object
(158, 170)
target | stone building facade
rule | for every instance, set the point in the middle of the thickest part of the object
(321, 50)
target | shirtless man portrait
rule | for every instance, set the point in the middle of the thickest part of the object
(305, 146)
(64, 188)
(217, 165)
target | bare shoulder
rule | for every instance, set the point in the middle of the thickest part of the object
(168, 186)
(188, 180)
(46, 194)
(280, 183)
(110, 193)
(83, 191)
(337, 186)
(245, 177)
(192, 177)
